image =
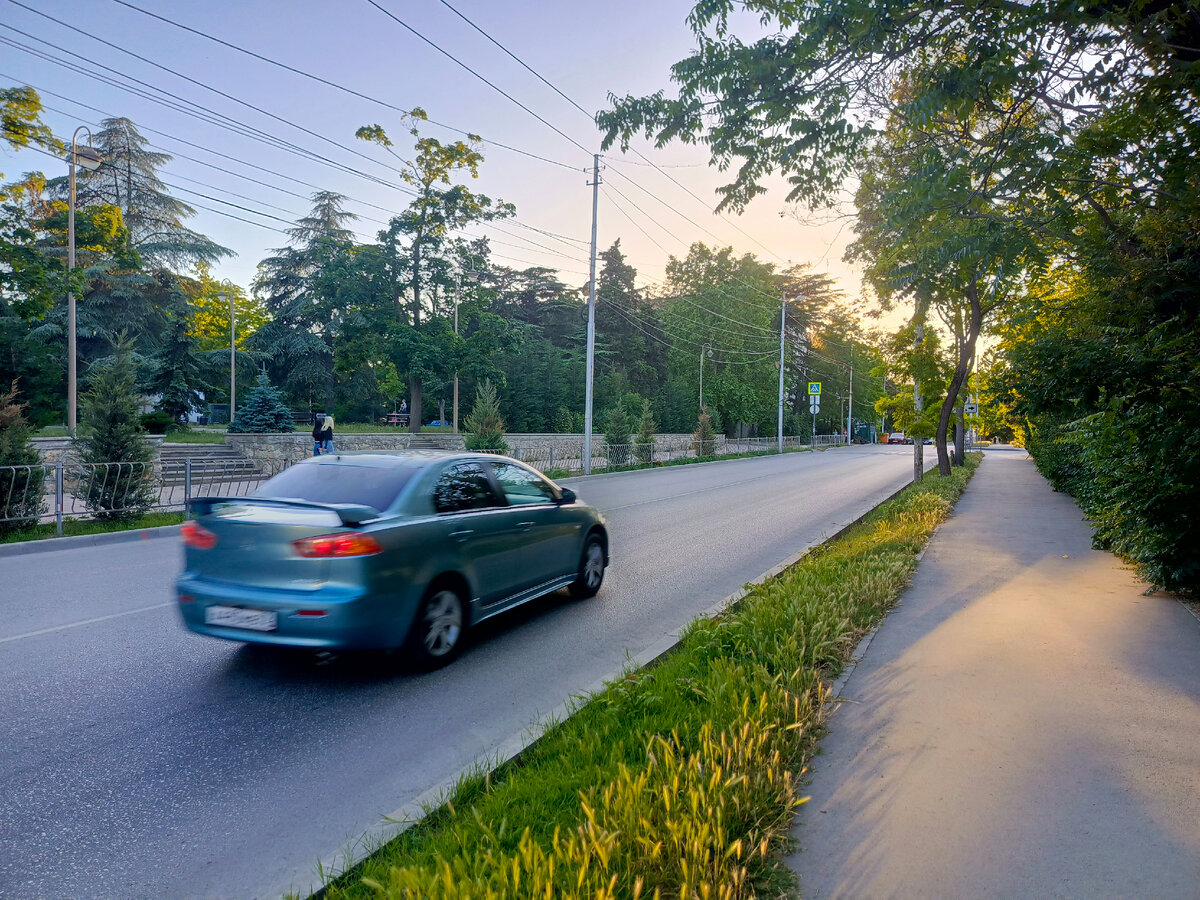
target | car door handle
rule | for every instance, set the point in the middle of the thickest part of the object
(524, 526)
(461, 536)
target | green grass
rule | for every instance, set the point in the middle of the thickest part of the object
(682, 777)
(90, 526)
(195, 435)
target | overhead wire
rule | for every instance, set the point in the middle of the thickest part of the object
(450, 56)
(592, 117)
(719, 288)
(333, 84)
(189, 107)
(492, 225)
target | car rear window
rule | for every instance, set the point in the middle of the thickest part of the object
(371, 486)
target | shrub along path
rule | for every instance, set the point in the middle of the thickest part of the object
(681, 778)
(1023, 726)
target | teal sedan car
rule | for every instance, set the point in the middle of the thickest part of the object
(359, 551)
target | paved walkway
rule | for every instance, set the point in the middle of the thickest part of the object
(1025, 724)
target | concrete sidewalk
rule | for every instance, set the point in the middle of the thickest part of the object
(1026, 723)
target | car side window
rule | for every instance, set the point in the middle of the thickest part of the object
(521, 486)
(463, 486)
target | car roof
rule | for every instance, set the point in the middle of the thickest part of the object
(400, 459)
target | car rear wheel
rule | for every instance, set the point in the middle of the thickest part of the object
(591, 569)
(437, 632)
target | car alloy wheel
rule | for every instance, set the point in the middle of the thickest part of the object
(436, 635)
(442, 623)
(591, 569)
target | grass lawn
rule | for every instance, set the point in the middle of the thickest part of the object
(89, 526)
(680, 779)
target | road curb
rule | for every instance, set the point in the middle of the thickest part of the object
(510, 750)
(46, 545)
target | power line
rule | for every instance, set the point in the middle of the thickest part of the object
(678, 339)
(492, 225)
(335, 85)
(459, 62)
(236, 127)
(719, 288)
(592, 117)
(216, 116)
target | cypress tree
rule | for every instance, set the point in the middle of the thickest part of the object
(117, 478)
(484, 423)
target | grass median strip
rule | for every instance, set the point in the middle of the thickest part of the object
(680, 779)
(74, 527)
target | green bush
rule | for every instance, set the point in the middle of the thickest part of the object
(484, 425)
(157, 422)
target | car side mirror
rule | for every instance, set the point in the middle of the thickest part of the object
(568, 496)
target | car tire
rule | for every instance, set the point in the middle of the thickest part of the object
(436, 635)
(590, 574)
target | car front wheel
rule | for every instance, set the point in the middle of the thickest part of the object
(591, 569)
(437, 633)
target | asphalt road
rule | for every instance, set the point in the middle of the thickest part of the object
(139, 760)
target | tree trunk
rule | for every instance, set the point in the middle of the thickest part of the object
(966, 352)
(414, 409)
(960, 436)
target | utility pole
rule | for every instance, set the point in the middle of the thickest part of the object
(850, 413)
(457, 300)
(918, 404)
(782, 322)
(591, 324)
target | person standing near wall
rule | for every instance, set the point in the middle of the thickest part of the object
(327, 435)
(318, 424)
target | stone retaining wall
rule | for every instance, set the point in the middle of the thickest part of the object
(291, 447)
(58, 449)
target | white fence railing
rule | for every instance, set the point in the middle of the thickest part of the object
(51, 493)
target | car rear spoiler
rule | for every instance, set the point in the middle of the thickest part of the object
(350, 513)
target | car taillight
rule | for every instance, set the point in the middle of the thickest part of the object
(197, 536)
(330, 546)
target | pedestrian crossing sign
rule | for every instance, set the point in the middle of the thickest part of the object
(814, 389)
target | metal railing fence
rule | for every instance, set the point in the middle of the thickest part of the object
(32, 494)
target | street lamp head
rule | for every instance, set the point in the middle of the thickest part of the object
(221, 296)
(87, 158)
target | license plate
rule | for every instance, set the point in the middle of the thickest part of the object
(236, 617)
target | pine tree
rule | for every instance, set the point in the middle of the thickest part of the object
(21, 485)
(616, 436)
(644, 440)
(484, 423)
(263, 411)
(116, 479)
(178, 373)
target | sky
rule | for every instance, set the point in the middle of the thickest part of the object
(586, 51)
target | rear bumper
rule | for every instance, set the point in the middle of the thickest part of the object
(350, 618)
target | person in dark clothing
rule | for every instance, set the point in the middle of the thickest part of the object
(318, 422)
(327, 434)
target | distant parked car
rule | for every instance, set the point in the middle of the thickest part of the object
(363, 551)
(896, 437)
(439, 423)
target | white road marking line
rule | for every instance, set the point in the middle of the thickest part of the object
(128, 612)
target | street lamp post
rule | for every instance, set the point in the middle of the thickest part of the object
(90, 160)
(706, 349)
(232, 355)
